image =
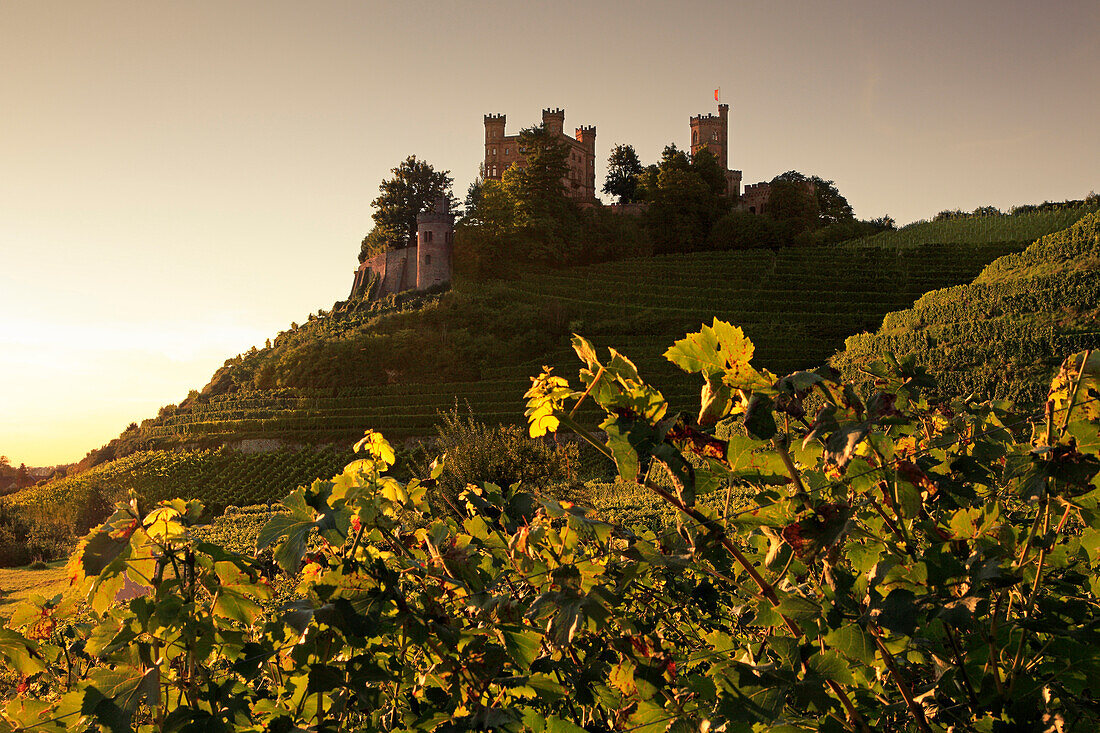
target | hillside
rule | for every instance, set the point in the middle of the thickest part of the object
(1003, 335)
(485, 342)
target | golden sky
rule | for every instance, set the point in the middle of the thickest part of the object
(181, 180)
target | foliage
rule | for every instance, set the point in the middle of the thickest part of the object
(1024, 224)
(623, 169)
(413, 189)
(898, 564)
(396, 368)
(792, 203)
(500, 454)
(1002, 335)
(683, 199)
(45, 521)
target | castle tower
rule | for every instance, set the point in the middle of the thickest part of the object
(586, 136)
(494, 145)
(434, 242)
(712, 132)
(554, 121)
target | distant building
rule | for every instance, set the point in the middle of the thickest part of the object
(424, 265)
(502, 151)
(712, 132)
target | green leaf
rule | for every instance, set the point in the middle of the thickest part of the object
(759, 420)
(557, 725)
(290, 530)
(21, 653)
(853, 642)
(233, 604)
(831, 666)
(523, 646)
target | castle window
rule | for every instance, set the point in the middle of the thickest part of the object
(428, 236)
(506, 151)
(428, 258)
(694, 137)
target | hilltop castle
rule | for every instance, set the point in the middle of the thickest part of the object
(428, 262)
(503, 150)
(423, 265)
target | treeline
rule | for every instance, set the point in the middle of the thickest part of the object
(1090, 201)
(677, 204)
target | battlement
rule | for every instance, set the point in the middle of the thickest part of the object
(558, 112)
(706, 119)
(585, 129)
(495, 118)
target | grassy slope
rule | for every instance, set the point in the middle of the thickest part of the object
(1003, 335)
(19, 584)
(218, 477)
(797, 305)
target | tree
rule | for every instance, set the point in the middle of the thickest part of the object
(683, 203)
(536, 187)
(414, 188)
(706, 166)
(792, 201)
(623, 170)
(833, 207)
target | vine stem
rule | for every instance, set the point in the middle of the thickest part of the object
(767, 590)
(903, 687)
(1073, 395)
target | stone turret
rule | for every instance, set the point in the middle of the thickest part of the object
(434, 243)
(554, 121)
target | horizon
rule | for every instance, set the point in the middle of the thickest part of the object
(183, 185)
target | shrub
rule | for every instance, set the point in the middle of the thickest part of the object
(502, 454)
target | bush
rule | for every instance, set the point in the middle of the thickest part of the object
(741, 230)
(503, 455)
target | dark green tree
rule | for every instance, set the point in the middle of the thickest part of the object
(536, 186)
(833, 207)
(623, 170)
(792, 201)
(414, 187)
(706, 166)
(683, 204)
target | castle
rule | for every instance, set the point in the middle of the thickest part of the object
(425, 264)
(501, 151)
(428, 262)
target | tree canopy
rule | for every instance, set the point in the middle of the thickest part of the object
(413, 188)
(623, 169)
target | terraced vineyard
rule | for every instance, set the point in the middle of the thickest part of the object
(1003, 335)
(1024, 227)
(218, 477)
(797, 305)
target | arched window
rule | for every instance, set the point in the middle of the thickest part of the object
(694, 137)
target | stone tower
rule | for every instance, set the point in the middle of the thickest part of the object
(554, 121)
(586, 136)
(712, 132)
(434, 240)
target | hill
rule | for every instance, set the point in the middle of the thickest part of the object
(1004, 334)
(797, 305)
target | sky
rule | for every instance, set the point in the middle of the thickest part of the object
(181, 181)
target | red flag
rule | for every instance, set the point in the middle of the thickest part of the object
(716, 94)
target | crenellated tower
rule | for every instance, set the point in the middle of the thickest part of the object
(712, 132)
